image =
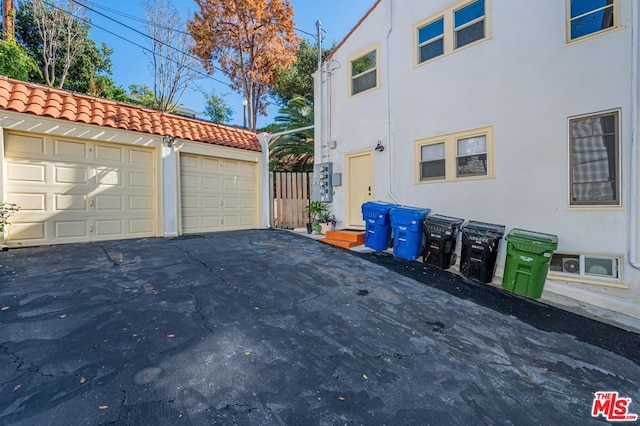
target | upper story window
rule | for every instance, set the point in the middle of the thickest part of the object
(594, 160)
(469, 23)
(588, 17)
(460, 25)
(431, 40)
(364, 72)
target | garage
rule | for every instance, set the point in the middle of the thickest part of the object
(74, 190)
(217, 194)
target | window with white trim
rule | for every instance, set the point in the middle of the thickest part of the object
(586, 17)
(364, 72)
(451, 29)
(455, 156)
(594, 160)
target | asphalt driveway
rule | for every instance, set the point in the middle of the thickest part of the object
(269, 327)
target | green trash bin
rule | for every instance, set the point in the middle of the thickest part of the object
(527, 262)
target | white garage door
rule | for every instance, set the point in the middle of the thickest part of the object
(217, 194)
(76, 190)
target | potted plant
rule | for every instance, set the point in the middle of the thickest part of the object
(6, 210)
(320, 218)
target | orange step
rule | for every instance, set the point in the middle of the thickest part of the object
(345, 238)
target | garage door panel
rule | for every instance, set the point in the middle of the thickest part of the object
(220, 197)
(70, 149)
(26, 231)
(28, 202)
(210, 183)
(26, 172)
(140, 226)
(141, 203)
(70, 175)
(109, 202)
(109, 153)
(68, 202)
(138, 156)
(210, 164)
(22, 144)
(109, 227)
(210, 202)
(89, 190)
(67, 229)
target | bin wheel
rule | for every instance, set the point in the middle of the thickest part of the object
(454, 257)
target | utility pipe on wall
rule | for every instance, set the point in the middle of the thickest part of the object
(635, 134)
(389, 143)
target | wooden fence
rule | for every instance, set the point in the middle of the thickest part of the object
(289, 195)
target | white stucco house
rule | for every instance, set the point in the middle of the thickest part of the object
(517, 113)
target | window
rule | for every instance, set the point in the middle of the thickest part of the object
(451, 29)
(590, 16)
(455, 156)
(469, 23)
(471, 159)
(594, 168)
(431, 40)
(364, 75)
(432, 161)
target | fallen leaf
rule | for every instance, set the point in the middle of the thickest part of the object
(82, 380)
(103, 407)
(63, 316)
(247, 353)
(341, 398)
(4, 308)
(17, 387)
(364, 376)
(171, 336)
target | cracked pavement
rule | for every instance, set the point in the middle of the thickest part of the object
(269, 327)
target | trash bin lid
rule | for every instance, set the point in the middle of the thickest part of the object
(533, 237)
(483, 227)
(378, 206)
(409, 212)
(440, 219)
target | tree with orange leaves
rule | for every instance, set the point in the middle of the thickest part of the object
(250, 40)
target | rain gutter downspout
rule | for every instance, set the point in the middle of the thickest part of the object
(389, 144)
(635, 132)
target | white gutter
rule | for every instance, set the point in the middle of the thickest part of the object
(635, 133)
(389, 143)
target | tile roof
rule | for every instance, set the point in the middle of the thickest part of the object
(44, 101)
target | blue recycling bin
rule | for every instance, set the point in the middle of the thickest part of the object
(378, 229)
(408, 235)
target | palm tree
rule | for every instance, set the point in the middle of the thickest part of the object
(294, 151)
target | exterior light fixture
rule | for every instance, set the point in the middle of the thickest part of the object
(169, 140)
(379, 147)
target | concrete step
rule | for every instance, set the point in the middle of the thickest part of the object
(345, 238)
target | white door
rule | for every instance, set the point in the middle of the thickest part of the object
(217, 194)
(72, 190)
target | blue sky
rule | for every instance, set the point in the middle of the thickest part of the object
(131, 65)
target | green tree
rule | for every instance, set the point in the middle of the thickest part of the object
(297, 80)
(142, 94)
(15, 61)
(294, 151)
(217, 109)
(89, 69)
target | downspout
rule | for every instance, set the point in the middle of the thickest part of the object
(389, 143)
(319, 103)
(635, 131)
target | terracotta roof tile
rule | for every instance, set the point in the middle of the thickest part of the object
(45, 101)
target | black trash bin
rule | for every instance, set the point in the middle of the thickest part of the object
(480, 243)
(440, 233)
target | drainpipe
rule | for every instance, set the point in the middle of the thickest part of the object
(389, 143)
(635, 132)
(319, 104)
